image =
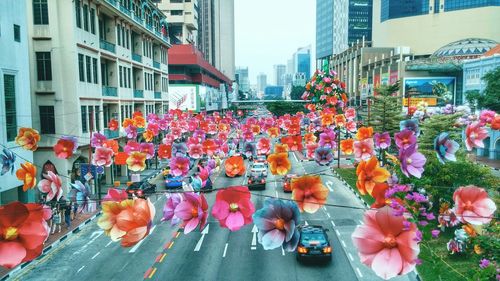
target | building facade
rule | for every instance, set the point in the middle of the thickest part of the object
(15, 96)
(242, 79)
(324, 28)
(437, 22)
(302, 61)
(182, 20)
(273, 93)
(279, 71)
(261, 82)
(91, 61)
(224, 37)
(475, 69)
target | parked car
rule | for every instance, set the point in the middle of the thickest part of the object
(172, 182)
(141, 189)
(287, 182)
(313, 244)
(208, 186)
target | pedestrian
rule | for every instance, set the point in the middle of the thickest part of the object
(67, 213)
(57, 220)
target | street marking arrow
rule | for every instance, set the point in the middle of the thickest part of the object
(203, 233)
(254, 237)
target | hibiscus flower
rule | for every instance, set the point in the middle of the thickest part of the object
(294, 142)
(279, 164)
(192, 211)
(363, 150)
(383, 140)
(475, 133)
(51, 185)
(97, 139)
(263, 146)
(113, 125)
(405, 138)
(28, 138)
(64, 148)
(233, 207)
(347, 146)
(473, 205)
(370, 173)
(309, 193)
(279, 148)
(136, 161)
(179, 166)
(412, 162)
(168, 210)
(273, 132)
(364, 133)
(210, 147)
(27, 173)
(327, 139)
(445, 148)
(164, 151)
(195, 151)
(323, 156)
(235, 166)
(102, 156)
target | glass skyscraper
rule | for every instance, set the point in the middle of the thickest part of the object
(324, 28)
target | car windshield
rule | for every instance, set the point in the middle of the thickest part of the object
(258, 166)
(312, 237)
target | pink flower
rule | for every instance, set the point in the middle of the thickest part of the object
(382, 141)
(179, 166)
(475, 133)
(263, 146)
(405, 138)
(51, 185)
(385, 244)
(487, 116)
(363, 150)
(192, 211)
(102, 156)
(195, 151)
(172, 202)
(132, 146)
(412, 161)
(472, 205)
(311, 149)
(131, 132)
(233, 207)
(116, 195)
(350, 126)
(350, 113)
(148, 149)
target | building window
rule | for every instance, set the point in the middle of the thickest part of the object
(47, 120)
(43, 66)
(176, 12)
(81, 68)
(9, 86)
(86, 17)
(89, 69)
(121, 75)
(84, 119)
(128, 77)
(92, 20)
(40, 12)
(97, 121)
(17, 33)
(94, 69)
(119, 34)
(78, 14)
(453, 5)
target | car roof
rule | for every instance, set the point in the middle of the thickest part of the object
(312, 229)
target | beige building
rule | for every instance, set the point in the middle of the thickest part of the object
(224, 37)
(91, 61)
(433, 25)
(182, 19)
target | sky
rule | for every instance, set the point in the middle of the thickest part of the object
(268, 32)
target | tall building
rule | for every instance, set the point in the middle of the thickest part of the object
(279, 74)
(341, 23)
(206, 30)
(15, 96)
(261, 82)
(224, 36)
(273, 93)
(90, 62)
(302, 61)
(182, 20)
(437, 22)
(242, 79)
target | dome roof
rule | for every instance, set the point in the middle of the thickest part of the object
(470, 47)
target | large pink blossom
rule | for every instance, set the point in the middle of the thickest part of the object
(148, 149)
(350, 113)
(263, 146)
(132, 146)
(195, 151)
(103, 156)
(385, 244)
(233, 207)
(475, 133)
(472, 205)
(192, 211)
(51, 185)
(179, 166)
(363, 150)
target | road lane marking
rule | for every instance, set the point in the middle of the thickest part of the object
(282, 251)
(328, 215)
(171, 244)
(80, 269)
(253, 248)
(146, 274)
(134, 249)
(109, 243)
(338, 232)
(329, 185)
(333, 224)
(343, 243)
(295, 156)
(95, 255)
(350, 256)
(305, 222)
(359, 272)
(360, 222)
(324, 208)
(177, 235)
(200, 242)
(225, 249)
(254, 237)
(162, 257)
(277, 195)
(152, 273)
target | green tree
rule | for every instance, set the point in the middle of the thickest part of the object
(385, 112)
(297, 92)
(472, 98)
(280, 108)
(491, 94)
(435, 125)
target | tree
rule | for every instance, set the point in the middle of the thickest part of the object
(280, 108)
(385, 112)
(297, 92)
(491, 94)
(472, 98)
(435, 125)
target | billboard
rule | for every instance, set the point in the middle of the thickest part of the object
(384, 79)
(363, 87)
(184, 97)
(437, 91)
(393, 77)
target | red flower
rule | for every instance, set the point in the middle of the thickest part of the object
(64, 148)
(294, 142)
(165, 151)
(113, 125)
(210, 147)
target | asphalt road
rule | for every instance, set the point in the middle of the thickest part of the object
(216, 254)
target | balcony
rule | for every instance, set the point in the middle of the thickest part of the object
(158, 95)
(112, 2)
(136, 57)
(109, 91)
(138, 19)
(156, 64)
(105, 45)
(150, 27)
(111, 134)
(125, 11)
(158, 33)
(138, 94)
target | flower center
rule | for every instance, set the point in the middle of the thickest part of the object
(364, 149)
(390, 241)
(233, 207)
(408, 161)
(194, 212)
(279, 224)
(11, 233)
(468, 206)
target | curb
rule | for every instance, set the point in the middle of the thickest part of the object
(50, 247)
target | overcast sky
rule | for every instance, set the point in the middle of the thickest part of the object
(268, 32)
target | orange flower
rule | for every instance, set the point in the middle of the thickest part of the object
(310, 138)
(294, 142)
(327, 119)
(28, 138)
(223, 127)
(128, 122)
(469, 229)
(332, 100)
(370, 173)
(148, 135)
(294, 129)
(311, 107)
(113, 144)
(378, 194)
(64, 148)
(140, 122)
(113, 125)
(309, 193)
(27, 173)
(136, 114)
(273, 132)
(136, 161)
(347, 146)
(364, 133)
(255, 129)
(165, 151)
(210, 147)
(495, 124)
(279, 164)
(340, 120)
(279, 148)
(235, 166)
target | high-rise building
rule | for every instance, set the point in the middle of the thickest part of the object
(437, 22)
(340, 23)
(15, 96)
(206, 30)
(261, 82)
(302, 61)
(91, 62)
(242, 79)
(279, 74)
(182, 20)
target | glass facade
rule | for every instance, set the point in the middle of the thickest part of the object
(453, 5)
(360, 20)
(392, 9)
(324, 28)
(304, 64)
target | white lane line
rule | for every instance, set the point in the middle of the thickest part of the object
(359, 272)
(324, 208)
(343, 243)
(225, 249)
(328, 215)
(244, 178)
(253, 248)
(95, 255)
(360, 222)
(80, 269)
(338, 232)
(295, 156)
(109, 243)
(333, 224)
(328, 184)
(282, 251)
(277, 195)
(140, 242)
(350, 256)
(305, 222)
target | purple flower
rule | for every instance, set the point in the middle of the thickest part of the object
(418, 236)
(405, 138)
(131, 132)
(435, 233)
(484, 263)
(278, 222)
(97, 139)
(323, 156)
(168, 210)
(249, 149)
(430, 216)
(382, 141)
(410, 124)
(448, 109)
(445, 148)
(327, 139)
(199, 134)
(179, 149)
(393, 179)
(412, 162)
(406, 225)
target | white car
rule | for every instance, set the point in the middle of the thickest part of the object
(259, 168)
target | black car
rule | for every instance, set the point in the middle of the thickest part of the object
(256, 182)
(141, 189)
(314, 244)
